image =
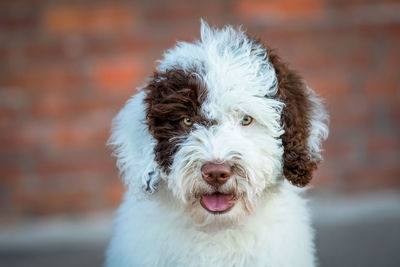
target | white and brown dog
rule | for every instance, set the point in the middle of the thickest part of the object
(214, 149)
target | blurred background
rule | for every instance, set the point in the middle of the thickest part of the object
(67, 67)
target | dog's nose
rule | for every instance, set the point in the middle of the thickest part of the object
(216, 173)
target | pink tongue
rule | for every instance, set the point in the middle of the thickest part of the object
(217, 202)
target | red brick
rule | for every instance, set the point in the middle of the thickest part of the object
(372, 179)
(80, 134)
(101, 47)
(280, 10)
(386, 149)
(21, 138)
(395, 113)
(40, 50)
(13, 99)
(47, 168)
(17, 16)
(114, 192)
(117, 74)
(10, 174)
(392, 57)
(382, 85)
(303, 52)
(135, 44)
(43, 76)
(42, 203)
(90, 131)
(188, 10)
(323, 177)
(79, 19)
(10, 182)
(59, 104)
(330, 85)
(361, 3)
(350, 115)
(53, 103)
(340, 150)
(7, 115)
(16, 23)
(320, 48)
(10, 111)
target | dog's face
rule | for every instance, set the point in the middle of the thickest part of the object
(221, 122)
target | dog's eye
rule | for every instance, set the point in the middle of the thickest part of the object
(247, 120)
(187, 121)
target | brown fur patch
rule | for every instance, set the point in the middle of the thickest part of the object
(292, 90)
(172, 96)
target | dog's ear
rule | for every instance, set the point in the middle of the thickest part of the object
(133, 147)
(304, 121)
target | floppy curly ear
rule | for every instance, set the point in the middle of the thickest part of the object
(304, 121)
(133, 147)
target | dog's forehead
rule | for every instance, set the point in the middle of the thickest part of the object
(234, 69)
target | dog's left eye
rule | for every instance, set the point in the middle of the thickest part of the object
(247, 120)
(187, 121)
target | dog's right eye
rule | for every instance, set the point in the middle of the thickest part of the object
(247, 120)
(187, 121)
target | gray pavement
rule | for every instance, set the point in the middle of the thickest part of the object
(364, 244)
(58, 256)
(363, 233)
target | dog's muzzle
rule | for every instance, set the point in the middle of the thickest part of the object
(216, 174)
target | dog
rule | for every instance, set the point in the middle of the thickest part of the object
(215, 150)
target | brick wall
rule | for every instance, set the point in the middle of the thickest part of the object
(67, 67)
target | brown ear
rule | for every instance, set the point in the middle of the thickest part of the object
(298, 163)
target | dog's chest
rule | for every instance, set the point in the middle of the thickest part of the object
(279, 238)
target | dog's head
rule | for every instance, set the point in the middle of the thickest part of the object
(220, 123)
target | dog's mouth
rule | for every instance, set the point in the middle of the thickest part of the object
(217, 202)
